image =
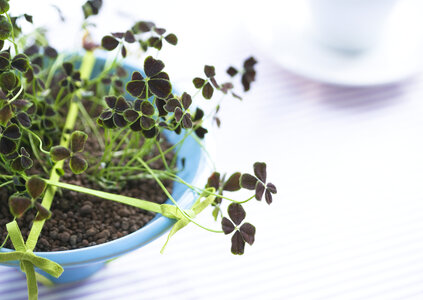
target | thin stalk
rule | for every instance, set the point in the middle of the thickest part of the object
(143, 204)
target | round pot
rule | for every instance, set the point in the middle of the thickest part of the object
(79, 264)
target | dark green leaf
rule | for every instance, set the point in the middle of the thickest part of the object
(186, 121)
(129, 37)
(151, 133)
(209, 71)
(28, 18)
(153, 66)
(271, 187)
(159, 87)
(121, 104)
(5, 114)
(119, 120)
(109, 43)
(16, 165)
(248, 231)
(232, 184)
(199, 114)
(259, 190)
(214, 181)
(155, 42)
(68, 67)
(43, 213)
(35, 186)
(135, 87)
(236, 213)
(58, 153)
(186, 100)
(8, 81)
(91, 7)
(232, 71)
(77, 164)
(147, 108)
(238, 244)
(24, 119)
(201, 132)
(110, 101)
(227, 225)
(147, 122)
(7, 146)
(131, 115)
(208, 91)
(248, 181)
(260, 171)
(5, 28)
(50, 52)
(12, 132)
(178, 114)
(26, 162)
(77, 141)
(198, 82)
(18, 205)
(143, 26)
(171, 39)
(268, 196)
(4, 6)
(20, 62)
(172, 104)
(4, 59)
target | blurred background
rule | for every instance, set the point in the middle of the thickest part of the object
(340, 130)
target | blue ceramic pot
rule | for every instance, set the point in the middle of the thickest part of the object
(81, 263)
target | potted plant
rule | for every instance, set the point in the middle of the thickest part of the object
(91, 148)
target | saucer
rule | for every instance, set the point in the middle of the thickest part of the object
(397, 56)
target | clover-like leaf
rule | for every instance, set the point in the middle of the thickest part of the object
(238, 244)
(129, 37)
(232, 71)
(198, 82)
(12, 132)
(8, 81)
(7, 146)
(160, 85)
(68, 68)
(135, 87)
(18, 205)
(147, 123)
(43, 213)
(24, 119)
(20, 62)
(171, 39)
(35, 186)
(5, 114)
(4, 6)
(260, 171)
(208, 91)
(187, 121)
(259, 190)
(232, 184)
(227, 226)
(214, 181)
(172, 104)
(58, 153)
(77, 141)
(5, 28)
(147, 108)
(248, 231)
(209, 71)
(186, 100)
(248, 181)
(78, 164)
(121, 104)
(131, 115)
(109, 43)
(153, 66)
(236, 213)
(268, 196)
(271, 187)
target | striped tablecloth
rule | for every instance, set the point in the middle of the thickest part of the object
(347, 222)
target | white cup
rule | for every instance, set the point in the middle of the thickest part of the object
(349, 25)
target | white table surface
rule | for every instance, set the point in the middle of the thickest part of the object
(347, 222)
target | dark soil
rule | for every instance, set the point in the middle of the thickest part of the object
(79, 220)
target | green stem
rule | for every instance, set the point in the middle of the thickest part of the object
(86, 68)
(143, 204)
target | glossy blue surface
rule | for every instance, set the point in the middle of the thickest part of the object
(81, 263)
